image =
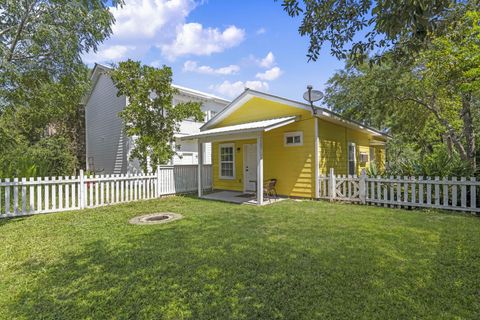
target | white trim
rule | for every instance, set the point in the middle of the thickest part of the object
(226, 145)
(243, 98)
(293, 134)
(351, 143)
(200, 169)
(244, 164)
(317, 160)
(260, 169)
(247, 127)
(323, 113)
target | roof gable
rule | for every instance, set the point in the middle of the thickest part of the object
(254, 106)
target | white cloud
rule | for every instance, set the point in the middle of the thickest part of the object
(156, 64)
(232, 89)
(192, 38)
(192, 66)
(261, 31)
(270, 74)
(268, 61)
(144, 18)
(108, 54)
(145, 24)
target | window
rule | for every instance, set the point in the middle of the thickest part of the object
(293, 139)
(372, 154)
(227, 161)
(352, 163)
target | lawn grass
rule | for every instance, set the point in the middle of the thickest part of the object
(290, 260)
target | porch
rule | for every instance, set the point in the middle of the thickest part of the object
(239, 197)
(239, 160)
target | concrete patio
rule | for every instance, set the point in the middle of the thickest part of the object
(238, 197)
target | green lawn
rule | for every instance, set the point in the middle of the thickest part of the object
(290, 260)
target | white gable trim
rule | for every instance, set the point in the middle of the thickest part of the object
(246, 96)
(321, 112)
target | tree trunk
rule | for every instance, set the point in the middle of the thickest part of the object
(469, 131)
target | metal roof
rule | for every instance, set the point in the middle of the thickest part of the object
(248, 127)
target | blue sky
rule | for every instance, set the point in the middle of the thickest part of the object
(218, 46)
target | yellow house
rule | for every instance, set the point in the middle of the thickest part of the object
(259, 136)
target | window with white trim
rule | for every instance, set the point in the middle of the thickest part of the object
(227, 160)
(291, 139)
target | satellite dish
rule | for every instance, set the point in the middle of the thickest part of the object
(312, 96)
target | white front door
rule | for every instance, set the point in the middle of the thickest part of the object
(250, 167)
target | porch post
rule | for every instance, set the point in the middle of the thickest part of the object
(260, 168)
(200, 168)
(317, 162)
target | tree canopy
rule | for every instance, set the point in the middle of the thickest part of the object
(358, 27)
(431, 104)
(150, 116)
(42, 76)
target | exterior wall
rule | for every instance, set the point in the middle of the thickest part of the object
(111, 150)
(333, 150)
(292, 166)
(104, 140)
(229, 184)
(257, 109)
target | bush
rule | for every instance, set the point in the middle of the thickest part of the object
(48, 157)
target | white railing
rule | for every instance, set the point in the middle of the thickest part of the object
(459, 194)
(20, 197)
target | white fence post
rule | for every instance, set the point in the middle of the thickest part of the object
(81, 190)
(157, 189)
(332, 184)
(362, 186)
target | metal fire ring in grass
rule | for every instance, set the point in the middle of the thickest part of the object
(156, 218)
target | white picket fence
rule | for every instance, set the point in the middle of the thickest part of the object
(459, 194)
(23, 196)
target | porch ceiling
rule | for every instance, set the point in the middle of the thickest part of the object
(244, 128)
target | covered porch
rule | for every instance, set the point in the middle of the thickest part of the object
(246, 142)
(239, 197)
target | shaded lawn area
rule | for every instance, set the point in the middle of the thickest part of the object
(290, 260)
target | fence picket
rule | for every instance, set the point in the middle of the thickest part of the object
(67, 193)
(414, 191)
(429, 190)
(24, 195)
(454, 192)
(445, 191)
(464, 192)
(31, 194)
(15, 195)
(473, 194)
(54, 194)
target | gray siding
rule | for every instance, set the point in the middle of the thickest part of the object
(104, 138)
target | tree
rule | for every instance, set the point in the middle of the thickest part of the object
(44, 39)
(150, 117)
(42, 76)
(403, 25)
(431, 103)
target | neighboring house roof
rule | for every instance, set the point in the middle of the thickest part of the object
(248, 127)
(321, 112)
(99, 69)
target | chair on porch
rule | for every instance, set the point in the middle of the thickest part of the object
(269, 189)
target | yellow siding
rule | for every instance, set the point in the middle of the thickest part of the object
(333, 151)
(261, 109)
(229, 184)
(293, 166)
